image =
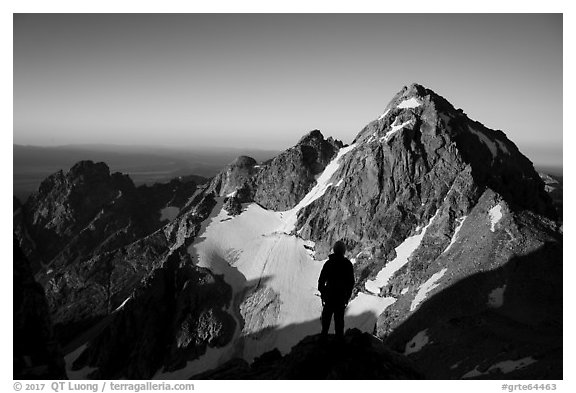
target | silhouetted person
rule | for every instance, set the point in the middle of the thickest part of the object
(335, 285)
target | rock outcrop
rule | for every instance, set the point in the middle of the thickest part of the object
(37, 354)
(237, 175)
(88, 211)
(95, 236)
(172, 317)
(358, 356)
(283, 182)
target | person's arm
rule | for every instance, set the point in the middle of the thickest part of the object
(322, 279)
(351, 280)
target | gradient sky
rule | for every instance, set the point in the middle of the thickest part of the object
(262, 81)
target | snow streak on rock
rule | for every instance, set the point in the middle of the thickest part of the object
(322, 183)
(403, 252)
(383, 115)
(394, 129)
(429, 285)
(456, 230)
(123, 303)
(487, 141)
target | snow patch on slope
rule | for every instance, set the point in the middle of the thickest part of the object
(496, 297)
(417, 343)
(487, 141)
(409, 103)
(429, 285)
(368, 307)
(504, 367)
(503, 146)
(495, 215)
(403, 252)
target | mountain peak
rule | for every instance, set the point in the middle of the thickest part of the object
(88, 167)
(243, 162)
(311, 136)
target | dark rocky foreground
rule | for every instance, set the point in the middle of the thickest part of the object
(176, 313)
(37, 354)
(359, 356)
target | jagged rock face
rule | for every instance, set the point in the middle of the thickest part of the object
(82, 293)
(173, 317)
(420, 154)
(89, 211)
(92, 237)
(284, 181)
(360, 356)
(36, 352)
(65, 204)
(554, 185)
(280, 183)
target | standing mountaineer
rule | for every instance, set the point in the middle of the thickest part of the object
(335, 285)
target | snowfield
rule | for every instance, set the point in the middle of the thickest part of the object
(273, 277)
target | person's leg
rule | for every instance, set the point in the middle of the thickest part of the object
(339, 320)
(327, 312)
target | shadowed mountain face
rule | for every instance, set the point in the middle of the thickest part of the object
(455, 241)
(37, 354)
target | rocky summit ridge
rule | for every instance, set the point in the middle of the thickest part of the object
(456, 245)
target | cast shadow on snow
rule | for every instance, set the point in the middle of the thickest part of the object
(520, 317)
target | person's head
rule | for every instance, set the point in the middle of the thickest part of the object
(339, 248)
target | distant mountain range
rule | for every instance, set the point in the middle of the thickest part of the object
(144, 164)
(455, 238)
